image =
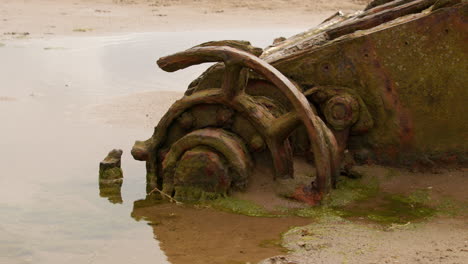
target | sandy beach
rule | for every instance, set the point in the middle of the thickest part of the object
(46, 18)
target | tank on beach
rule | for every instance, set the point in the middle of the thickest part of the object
(385, 85)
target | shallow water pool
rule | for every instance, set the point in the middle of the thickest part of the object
(50, 209)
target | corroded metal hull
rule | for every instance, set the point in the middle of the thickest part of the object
(387, 84)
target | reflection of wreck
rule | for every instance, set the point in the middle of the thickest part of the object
(388, 84)
(198, 235)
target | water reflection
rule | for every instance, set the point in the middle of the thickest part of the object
(111, 190)
(191, 234)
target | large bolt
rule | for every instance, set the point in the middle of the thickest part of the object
(341, 111)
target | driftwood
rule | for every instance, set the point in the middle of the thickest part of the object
(172, 200)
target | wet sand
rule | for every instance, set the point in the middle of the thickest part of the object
(366, 235)
(438, 241)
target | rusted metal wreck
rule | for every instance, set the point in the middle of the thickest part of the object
(386, 84)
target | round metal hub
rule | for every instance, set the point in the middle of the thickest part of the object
(202, 168)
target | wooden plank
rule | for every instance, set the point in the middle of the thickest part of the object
(378, 8)
(379, 18)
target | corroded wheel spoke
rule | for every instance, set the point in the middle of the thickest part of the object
(235, 79)
(322, 141)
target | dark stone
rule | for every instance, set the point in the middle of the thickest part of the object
(109, 168)
(111, 177)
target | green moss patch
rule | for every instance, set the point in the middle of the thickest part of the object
(319, 212)
(194, 194)
(238, 206)
(352, 190)
(363, 200)
(449, 207)
(389, 209)
(111, 174)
